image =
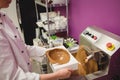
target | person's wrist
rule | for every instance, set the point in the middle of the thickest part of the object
(56, 75)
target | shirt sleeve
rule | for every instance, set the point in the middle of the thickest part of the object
(21, 75)
(35, 51)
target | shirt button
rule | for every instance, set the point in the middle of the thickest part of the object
(15, 36)
(28, 63)
(1, 23)
(22, 51)
(16, 27)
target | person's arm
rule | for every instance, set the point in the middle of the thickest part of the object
(21, 75)
(60, 74)
(9, 69)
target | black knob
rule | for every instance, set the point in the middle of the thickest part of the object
(85, 32)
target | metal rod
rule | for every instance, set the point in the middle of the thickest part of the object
(47, 12)
(36, 9)
(67, 17)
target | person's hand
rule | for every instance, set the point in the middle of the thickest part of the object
(63, 73)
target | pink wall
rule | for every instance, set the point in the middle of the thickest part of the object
(102, 13)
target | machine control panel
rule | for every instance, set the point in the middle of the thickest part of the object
(92, 35)
(108, 44)
(87, 33)
(101, 40)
